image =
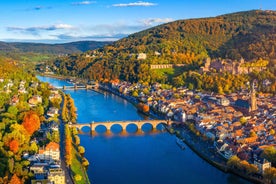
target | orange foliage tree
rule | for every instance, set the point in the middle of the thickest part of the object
(15, 180)
(31, 122)
(14, 145)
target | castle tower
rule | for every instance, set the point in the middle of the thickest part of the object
(253, 100)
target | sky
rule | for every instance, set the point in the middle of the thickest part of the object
(60, 21)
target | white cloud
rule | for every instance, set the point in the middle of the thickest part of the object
(151, 21)
(84, 3)
(63, 26)
(67, 32)
(41, 28)
(138, 3)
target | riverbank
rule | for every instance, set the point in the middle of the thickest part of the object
(134, 102)
(206, 151)
(202, 148)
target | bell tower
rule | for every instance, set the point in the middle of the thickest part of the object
(253, 100)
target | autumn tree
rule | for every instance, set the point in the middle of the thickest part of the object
(15, 180)
(77, 140)
(85, 163)
(14, 145)
(78, 177)
(68, 146)
(31, 122)
(270, 174)
(270, 154)
(81, 150)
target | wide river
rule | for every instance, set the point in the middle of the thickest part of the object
(146, 158)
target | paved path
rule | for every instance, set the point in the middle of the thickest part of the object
(68, 179)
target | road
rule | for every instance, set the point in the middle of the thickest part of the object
(62, 154)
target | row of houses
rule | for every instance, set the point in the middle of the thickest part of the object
(235, 129)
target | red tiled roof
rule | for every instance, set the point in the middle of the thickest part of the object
(52, 146)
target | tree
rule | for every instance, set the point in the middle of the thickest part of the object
(253, 134)
(243, 120)
(15, 180)
(14, 145)
(272, 132)
(33, 148)
(270, 154)
(270, 174)
(85, 162)
(31, 122)
(135, 93)
(11, 165)
(77, 140)
(13, 110)
(68, 146)
(81, 150)
(77, 177)
(234, 162)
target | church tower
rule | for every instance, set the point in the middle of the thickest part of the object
(253, 100)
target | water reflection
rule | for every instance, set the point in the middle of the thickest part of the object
(117, 131)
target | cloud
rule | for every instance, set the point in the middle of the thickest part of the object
(151, 21)
(36, 29)
(138, 3)
(67, 33)
(83, 3)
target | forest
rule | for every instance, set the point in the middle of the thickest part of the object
(249, 35)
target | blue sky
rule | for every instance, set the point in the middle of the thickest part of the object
(58, 21)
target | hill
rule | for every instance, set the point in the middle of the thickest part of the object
(249, 35)
(66, 48)
(37, 52)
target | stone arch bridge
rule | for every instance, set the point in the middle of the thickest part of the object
(123, 124)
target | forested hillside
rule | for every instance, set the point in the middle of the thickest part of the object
(65, 48)
(33, 52)
(250, 35)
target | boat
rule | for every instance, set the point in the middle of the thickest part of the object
(180, 143)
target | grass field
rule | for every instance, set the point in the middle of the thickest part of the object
(77, 167)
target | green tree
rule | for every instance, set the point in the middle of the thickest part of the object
(13, 110)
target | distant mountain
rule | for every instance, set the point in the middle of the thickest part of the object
(250, 35)
(66, 48)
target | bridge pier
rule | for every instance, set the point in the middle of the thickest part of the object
(64, 87)
(124, 124)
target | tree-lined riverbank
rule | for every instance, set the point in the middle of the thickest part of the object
(157, 157)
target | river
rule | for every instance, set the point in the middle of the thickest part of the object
(144, 158)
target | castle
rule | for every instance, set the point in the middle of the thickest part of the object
(230, 66)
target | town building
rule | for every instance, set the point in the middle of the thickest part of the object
(56, 176)
(51, 151)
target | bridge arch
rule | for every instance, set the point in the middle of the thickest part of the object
(123, 124)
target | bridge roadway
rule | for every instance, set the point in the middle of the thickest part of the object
(123, 124)
(75, 87)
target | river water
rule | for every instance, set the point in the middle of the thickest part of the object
(144, 158)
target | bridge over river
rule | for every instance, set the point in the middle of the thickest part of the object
(124, 124)
(76, 87)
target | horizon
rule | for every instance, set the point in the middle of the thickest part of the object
(52, 22)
